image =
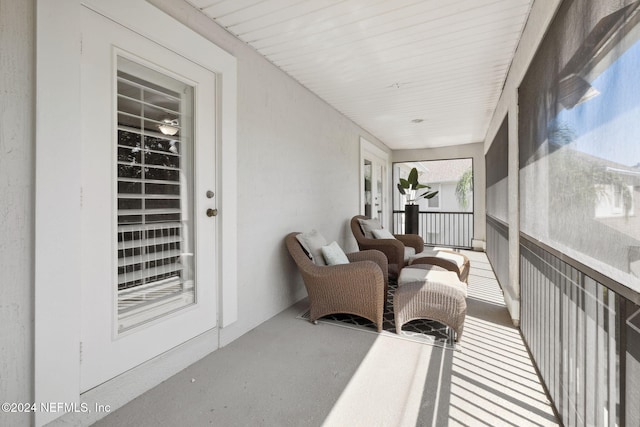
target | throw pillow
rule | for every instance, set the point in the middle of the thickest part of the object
(382, 234)
(368, 225)
(312, 242)
(334, 255)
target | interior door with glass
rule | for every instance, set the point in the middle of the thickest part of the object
(148, 200)
(374, 197)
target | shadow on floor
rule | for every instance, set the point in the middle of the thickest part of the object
(288, 372)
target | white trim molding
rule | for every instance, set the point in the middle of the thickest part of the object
(367, 147)
(59, 191)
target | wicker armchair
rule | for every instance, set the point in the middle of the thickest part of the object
(394, 251)
(358, 288)
(392, 248)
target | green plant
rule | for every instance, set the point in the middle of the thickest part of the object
(409, 186)
(464, 187)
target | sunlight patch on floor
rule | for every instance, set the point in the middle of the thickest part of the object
(489, 380)
(493, 381)
(387, 389)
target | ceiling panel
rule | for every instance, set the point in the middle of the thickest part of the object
(385, 63)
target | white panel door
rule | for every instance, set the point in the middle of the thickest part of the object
(374, 185)
(148, 200)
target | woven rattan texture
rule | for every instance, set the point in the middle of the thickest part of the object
(420, 330)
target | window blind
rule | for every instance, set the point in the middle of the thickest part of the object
(155, 262)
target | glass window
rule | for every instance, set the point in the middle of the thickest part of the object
(154, 183)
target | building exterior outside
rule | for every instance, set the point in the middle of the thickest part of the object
(447, 218)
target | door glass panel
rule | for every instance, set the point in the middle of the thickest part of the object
(373, 172)
(368, 176)
(377, 199)
(155, 236)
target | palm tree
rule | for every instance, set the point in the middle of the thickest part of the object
(464, 188)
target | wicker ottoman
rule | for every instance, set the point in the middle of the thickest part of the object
(450, 260)
(430, 292)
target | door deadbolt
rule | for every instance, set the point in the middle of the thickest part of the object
(212, 212)
(210, 194)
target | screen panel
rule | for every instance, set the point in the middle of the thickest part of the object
(578, 138)
(497, 167)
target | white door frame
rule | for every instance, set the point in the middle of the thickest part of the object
(108, 351)
(368, 150)
(59, 194)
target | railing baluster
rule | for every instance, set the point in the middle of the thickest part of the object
(571, 320)
(448, 229)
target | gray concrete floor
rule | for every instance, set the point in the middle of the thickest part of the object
(288, 372)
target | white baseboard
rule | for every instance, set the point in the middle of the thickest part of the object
(478, 245)
(131, 384)
(513, 305)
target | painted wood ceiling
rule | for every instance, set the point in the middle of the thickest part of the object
(414, 73)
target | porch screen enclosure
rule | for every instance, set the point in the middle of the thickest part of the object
(497, 177)
(579, 175)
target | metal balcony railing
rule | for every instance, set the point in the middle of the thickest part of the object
(498, 248)
(450, 229)
(583, 332)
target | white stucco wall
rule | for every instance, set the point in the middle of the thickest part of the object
(474, 151)
(298, 168)
(542, 12)
(17, 118)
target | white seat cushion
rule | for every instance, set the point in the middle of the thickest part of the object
(420, 275)
(334, 255)
(409, 252)
(312, 242)
(382, 234)
(457, 259)
(368, 225)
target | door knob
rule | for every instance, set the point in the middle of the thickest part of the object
(212, 212)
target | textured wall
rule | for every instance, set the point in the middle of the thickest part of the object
(17, 118)
(298, 168)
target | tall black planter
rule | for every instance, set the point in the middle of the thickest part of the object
(411, 219)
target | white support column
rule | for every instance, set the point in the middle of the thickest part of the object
(512, 297)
